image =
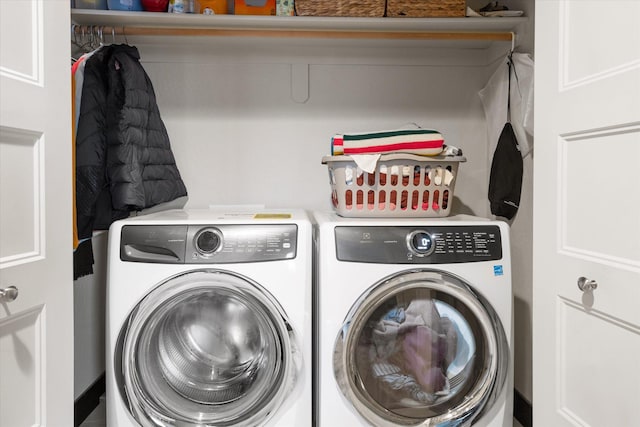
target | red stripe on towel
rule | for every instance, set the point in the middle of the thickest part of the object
(417, 145)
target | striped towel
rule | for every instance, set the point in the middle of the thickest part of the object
(425, 142)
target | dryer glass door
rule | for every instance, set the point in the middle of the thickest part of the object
(421, 348)
(208, 347)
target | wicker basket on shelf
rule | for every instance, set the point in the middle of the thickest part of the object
(366, 8)
(426, 8)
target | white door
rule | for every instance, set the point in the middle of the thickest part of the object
(36, 329)
(586, 343)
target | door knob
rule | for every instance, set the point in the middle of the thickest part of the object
(586, 285)
(8, 294)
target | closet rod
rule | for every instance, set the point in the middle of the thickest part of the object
(302, 33)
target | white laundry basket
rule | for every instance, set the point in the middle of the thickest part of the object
(402, 185)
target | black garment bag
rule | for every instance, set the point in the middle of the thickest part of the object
(505, 180)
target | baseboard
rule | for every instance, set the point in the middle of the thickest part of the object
(522, 410)
(88, 401)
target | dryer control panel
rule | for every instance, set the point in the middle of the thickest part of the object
(208, 244)
(418, 245)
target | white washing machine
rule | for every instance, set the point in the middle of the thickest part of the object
(209, 319)
(414, 322)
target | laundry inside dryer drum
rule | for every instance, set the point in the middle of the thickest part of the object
(420, 347)
(417, 367)
(204, 352)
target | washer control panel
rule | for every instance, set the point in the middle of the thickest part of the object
(208, 244)
(418, 245)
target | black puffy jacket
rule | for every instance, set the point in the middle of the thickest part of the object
(124, 160)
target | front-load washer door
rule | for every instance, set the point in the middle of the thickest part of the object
(206, 348)
(421, 348)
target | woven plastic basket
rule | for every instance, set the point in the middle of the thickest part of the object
(403, 185)
(367, 8)
(426, 8)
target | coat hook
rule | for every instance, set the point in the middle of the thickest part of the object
(513, 41)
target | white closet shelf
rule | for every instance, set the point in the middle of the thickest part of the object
(157, 23)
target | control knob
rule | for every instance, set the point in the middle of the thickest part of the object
(420, 243)
(208, 241)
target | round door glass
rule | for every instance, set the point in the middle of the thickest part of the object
(415, 348)
(206, 347)
(416, 355)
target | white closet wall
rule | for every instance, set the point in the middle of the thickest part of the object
(240, 137)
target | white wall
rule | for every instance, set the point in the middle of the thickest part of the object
(239, 137)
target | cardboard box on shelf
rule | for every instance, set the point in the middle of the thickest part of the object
(255, 7)
(213, 7)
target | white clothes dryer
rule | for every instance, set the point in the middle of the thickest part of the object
(414, 322)
(209, 319)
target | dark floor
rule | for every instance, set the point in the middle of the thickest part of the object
(98, 418)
